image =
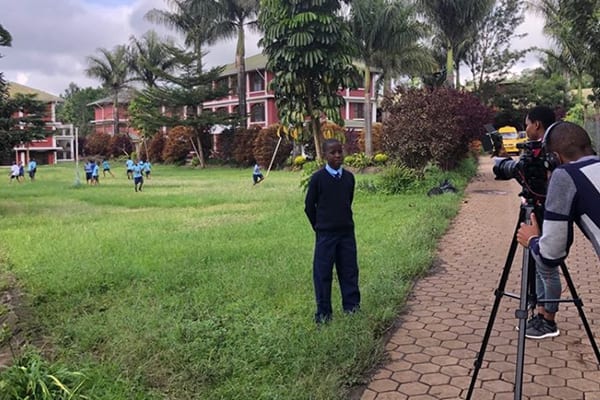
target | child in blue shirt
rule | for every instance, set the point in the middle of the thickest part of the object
(95, 173)
(138, 178)
(106, 168)
(32, 167)
(129, 165)
(147, 169)
(257, 176)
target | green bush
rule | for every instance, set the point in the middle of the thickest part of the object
(358, 160)
(397, 178)
(32, 378)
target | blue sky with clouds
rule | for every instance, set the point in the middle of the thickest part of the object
(53, 38)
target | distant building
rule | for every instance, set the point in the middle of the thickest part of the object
(260, 100)
(104, 115)
(58, 145)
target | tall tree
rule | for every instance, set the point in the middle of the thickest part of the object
(5, 40)
(233, 17)
(309, 50)
(489, 57)
(585, 15)
(194, 19)
(454, 22)
(112, 69)
(385, 34)
(21, 121)
(75, 110)
(182, 93)
(147, 55)
(569, 51)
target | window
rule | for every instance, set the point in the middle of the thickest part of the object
(257, 112)
(358, 110)
(257, 82)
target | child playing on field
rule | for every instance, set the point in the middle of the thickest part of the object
(328, 206)
(257, 176)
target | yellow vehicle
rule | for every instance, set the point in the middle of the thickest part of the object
(510, 138)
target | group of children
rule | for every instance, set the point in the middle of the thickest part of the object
(135, 171)
(17, 171)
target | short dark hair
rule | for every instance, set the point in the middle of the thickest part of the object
(545, 115)
(329, 142)
(570, 139)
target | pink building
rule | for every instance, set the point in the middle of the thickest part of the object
(59, 145)
(260, 101)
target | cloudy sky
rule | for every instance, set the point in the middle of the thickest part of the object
(53, 38)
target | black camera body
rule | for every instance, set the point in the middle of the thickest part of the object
(529, 170)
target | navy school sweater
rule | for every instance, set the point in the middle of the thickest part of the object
(328, 203)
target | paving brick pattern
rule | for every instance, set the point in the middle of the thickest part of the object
(431, 353)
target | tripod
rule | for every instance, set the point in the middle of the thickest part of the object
(527, 296)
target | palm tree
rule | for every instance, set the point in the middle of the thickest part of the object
(454, 21)
(234, 16)
(570, 53)
(195, 19)
(386, 35)
(149, 57)
(112, 69)
(5, 38)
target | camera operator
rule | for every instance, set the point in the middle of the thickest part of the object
(538, 119)
(573, 196)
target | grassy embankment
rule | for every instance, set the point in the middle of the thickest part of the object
(200, 287)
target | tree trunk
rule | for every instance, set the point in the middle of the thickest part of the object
(316, 128)
(240, 61)
(200, 152)
(116, 113)
(367, 112)
(450, 67)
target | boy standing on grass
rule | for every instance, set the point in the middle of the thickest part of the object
(328, 206)
(32, 167)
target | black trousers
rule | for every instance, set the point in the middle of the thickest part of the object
(339, 249)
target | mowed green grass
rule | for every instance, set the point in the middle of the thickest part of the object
(200, 287)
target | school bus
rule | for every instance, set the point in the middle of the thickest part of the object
(510, 138)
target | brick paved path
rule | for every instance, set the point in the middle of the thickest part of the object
(431, 354)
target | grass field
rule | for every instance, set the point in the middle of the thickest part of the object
(200, 287)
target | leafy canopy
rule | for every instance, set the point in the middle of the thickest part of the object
(309, 51)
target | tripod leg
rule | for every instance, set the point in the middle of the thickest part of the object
(498, 293)
(521, 314)
(579, 304)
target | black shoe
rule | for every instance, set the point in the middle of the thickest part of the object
(543, 329)
(532, 322)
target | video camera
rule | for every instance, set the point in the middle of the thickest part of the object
(529, 170)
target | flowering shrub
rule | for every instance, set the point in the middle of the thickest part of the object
(299, 161)
(380, 158)
(265, 144)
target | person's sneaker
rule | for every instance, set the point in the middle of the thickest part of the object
(531, 322)
(543, 329)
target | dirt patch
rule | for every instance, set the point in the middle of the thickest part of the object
(12, 335)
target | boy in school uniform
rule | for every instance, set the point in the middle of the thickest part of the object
(257, 175)
(328, 206)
